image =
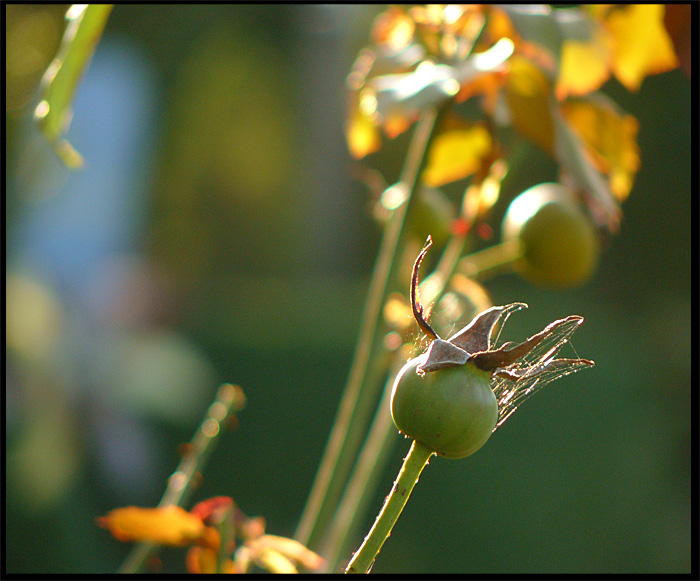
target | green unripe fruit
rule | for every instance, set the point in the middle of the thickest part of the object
(451, 411)
(560, 244)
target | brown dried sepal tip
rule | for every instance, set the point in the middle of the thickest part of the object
(473, 343)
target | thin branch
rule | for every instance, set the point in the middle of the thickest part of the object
(229, 400)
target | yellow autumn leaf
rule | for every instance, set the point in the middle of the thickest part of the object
(456, 154)
(584, 65)
(610, 137)
(362, 135)
(166, 525)
(291, 549)
(528, 94)
(642, 46)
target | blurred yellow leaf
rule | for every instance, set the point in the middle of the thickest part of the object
(578, 169)
(456, 154)
(528, 93)
(166, 525)
(274, 561)
(584, 66)
(610, 137)
(291, 549)
(642, 45)
(362, 135)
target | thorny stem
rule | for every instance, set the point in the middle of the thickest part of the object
(229, 399)
(413, 465)
(342, 447)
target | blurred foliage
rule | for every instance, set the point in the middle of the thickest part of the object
(247, 260)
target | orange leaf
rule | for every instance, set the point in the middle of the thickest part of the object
(642, 45)
(488, 85)
(528, 93)
(393, 29)
(610, 137)
(166, 525)
(456, 154)
(212, 507)
(204, 560)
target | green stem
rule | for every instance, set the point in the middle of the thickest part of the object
(341, 451)
(491, 261)
(413, 465)
(83, 32)
(225, 528)
(229, 399)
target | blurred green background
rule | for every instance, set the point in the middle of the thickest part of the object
(216, 235)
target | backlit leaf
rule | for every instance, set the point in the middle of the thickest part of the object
(572, 154)
(166, 525)
(642, 45)
(611, 138)
(362, 135)
(456, 154)
(528, 94)
(584, 65)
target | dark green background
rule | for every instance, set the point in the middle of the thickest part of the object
(269, 259)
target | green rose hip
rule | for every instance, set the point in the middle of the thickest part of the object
(560, 243)
(452, 411)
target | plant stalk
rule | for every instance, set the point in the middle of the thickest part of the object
(413, 465)
(490, 261)
(229, 399)
(341, 450)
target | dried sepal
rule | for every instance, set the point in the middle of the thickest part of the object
(418, 312)
(510, 352)
(476, 336)
(442, 354)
